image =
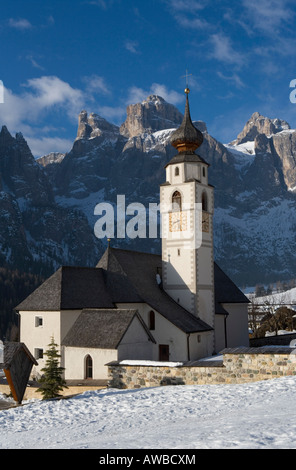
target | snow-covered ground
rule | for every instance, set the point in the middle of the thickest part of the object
(258, 415)
(278, 298)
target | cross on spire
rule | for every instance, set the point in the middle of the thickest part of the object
(186, 76)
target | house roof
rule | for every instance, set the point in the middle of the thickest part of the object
(124, 276)
(103, 329)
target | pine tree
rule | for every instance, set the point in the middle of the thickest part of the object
(52, 381)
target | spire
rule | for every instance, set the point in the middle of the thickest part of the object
(187, 138)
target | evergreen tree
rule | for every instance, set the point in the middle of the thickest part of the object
(52, 381)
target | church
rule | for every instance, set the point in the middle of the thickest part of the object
(175, 307)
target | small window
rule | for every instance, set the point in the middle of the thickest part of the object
(177, 171)
(179, 252)
(88, 367)
(38, 353)
(204, 201)
(203, 171)
(38, 321)
(151, 320)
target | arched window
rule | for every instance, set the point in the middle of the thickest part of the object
(204, 201)
(177, 201)
(177, 171)
(88, 367)
(151, 320)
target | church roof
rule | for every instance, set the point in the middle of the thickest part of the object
(103, 329)
(141, 269)
(124, 276)
(186, 136)
(184, 157)
(186, 139)
(70, 288)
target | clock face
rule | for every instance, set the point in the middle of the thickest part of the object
(178, 221)
(205, 222)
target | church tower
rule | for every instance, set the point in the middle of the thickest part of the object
(187, 205)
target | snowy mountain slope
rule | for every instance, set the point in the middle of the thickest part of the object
(254, 178)
(37, 234)
(254, 207)
(276, 299)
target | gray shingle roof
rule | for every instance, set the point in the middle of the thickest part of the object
(70, 288)
(103, 329)
(141, 269)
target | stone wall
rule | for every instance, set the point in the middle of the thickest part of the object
(239, 365)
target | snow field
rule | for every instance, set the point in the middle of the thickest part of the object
(250, 416)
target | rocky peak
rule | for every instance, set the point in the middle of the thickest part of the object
(5, 137)
(93, 125)
(51, 158)
(153, 114)
(258, 124)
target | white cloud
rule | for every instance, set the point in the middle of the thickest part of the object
(104, 4)
(21, 23)
(28, 111)
(44, 145)
(223, 50)
(137, 95)
(116, 113)
(268, 15)
(132, 46)
(96, 84)
(234, 78)
(34, 63)
(187, 13)
(187, 5)
(48, 92)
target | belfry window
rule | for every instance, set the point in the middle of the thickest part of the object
(177, 171)
(177, 201)
(204, 201)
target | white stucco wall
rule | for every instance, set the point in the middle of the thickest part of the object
(219, 333)
(237, 325)
(55, 324)
(135, 344)
(39, 337)
(167, 333)
(74, 362)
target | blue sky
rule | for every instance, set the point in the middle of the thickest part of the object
(59, 57)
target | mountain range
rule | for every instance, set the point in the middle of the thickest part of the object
(47, 205)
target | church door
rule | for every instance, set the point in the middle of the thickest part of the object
(164, 353)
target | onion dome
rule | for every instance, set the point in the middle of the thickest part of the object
(186, 138)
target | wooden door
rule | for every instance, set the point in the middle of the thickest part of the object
(164, 352)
